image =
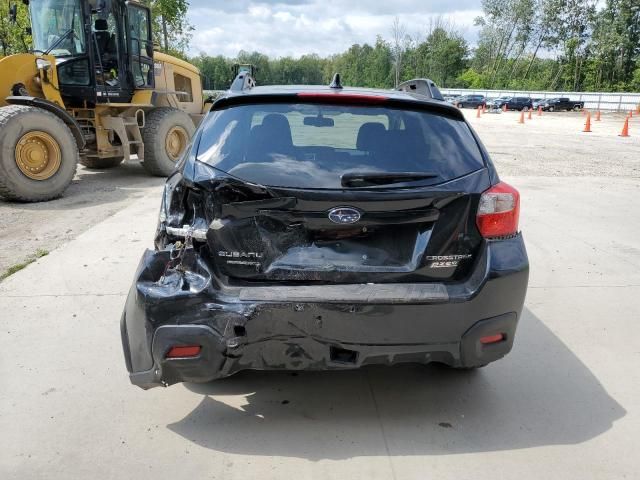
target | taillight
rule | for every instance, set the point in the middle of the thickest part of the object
(499, 211)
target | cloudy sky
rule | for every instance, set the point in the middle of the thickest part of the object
(297, 27)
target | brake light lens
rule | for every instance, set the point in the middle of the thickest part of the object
(489, 339)
(186, 351)
(499, 211)
(339, 98)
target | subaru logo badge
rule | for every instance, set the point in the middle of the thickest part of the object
(344, 215)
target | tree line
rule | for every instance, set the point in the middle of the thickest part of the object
(562, 45)
(570, 45)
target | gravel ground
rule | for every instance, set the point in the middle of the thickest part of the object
(551, 145)
(92, 196)
(554, 144)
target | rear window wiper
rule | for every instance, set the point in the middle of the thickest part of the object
(365, 179)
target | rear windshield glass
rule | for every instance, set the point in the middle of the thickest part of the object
(312, 146)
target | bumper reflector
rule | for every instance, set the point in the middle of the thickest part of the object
(492, 339)
(187, 351)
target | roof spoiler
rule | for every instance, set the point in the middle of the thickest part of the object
(421, 86)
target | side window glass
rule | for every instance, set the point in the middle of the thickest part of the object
(139, 31)
(183, 88)
(140, 45)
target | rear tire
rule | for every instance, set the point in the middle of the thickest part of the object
(38, 154)
(166, 135)
(577, 108)
(100, 163)
(551, 109)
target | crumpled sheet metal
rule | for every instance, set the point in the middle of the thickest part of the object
(285, 334)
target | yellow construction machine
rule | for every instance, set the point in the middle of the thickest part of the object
(92, 91)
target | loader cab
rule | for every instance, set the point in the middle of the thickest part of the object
(103, 48)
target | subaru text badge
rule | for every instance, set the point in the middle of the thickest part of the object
(344, 215)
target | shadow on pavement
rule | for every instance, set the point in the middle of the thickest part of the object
(541, 394)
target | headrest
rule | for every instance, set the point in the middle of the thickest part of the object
(277, 125)
(371, 133)
(100, 25)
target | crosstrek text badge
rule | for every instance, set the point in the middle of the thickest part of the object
(344, 215)
(446, 261)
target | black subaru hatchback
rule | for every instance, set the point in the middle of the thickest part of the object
(327, 228)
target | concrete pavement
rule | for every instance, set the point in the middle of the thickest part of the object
(564, 404)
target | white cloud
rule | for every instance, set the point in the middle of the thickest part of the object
(298, 27)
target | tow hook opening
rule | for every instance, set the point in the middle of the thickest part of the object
(342, 355)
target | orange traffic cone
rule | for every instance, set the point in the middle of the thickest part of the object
(638, 108)
(479, 111)
(587, 126)
(529, 116)
(504, 107)
(597, 116)
(539, 111)
(630, 113)
(625, 129)
(521, 117)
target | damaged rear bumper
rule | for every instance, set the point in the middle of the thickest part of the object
(317, 327)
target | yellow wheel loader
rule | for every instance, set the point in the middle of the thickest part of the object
(93, 91)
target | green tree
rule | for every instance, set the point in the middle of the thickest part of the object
(171, 30)
(443, 56)
(13, 36)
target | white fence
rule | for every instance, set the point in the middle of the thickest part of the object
(592, 100)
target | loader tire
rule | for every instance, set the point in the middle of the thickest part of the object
(166, 135)
(94, 163)
(38, 154)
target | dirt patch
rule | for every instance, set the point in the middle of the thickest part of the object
(91, 197)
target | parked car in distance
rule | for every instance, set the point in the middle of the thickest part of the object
(498, 102)
(327, 228)
(470, 101)
(537, 102)
(562, 103)
(451, 98)
(514, 103)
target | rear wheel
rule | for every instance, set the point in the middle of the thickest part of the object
(94, 163)
(38, 154)
(551, 109)
(166, 135)
(577, 108)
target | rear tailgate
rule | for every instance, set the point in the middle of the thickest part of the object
(280, 209)
(288, 235)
